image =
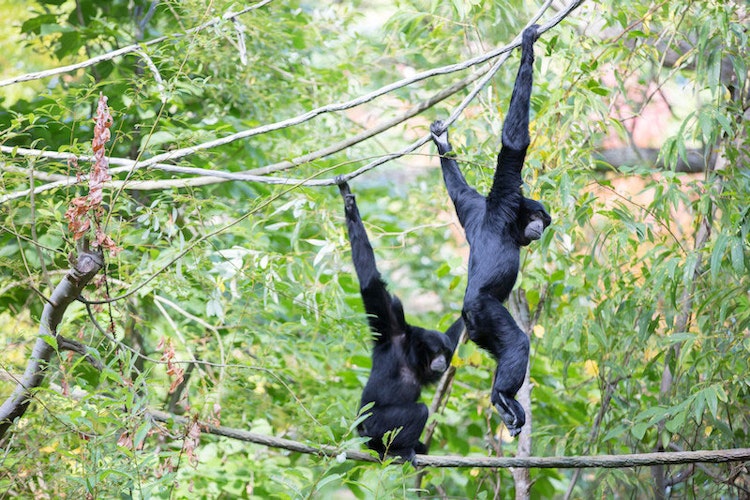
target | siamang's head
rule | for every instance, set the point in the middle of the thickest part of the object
(532, 221)
(429, 352)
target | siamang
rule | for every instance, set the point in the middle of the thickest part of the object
(404, 357)
(496, 228)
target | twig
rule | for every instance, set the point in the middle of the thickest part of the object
(157, 76)
(66, 344)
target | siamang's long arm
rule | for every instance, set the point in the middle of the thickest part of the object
(515, 139)
(464, 197)
(375, 295)
(454, 333)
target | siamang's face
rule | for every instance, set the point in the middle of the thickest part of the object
(439, 364)
(534, 227)
(432, 348)
(438, 349)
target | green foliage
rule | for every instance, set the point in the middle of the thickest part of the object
(254, 280)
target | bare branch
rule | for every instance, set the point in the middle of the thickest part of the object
(519, 307)
(617, 157)
(574, 462)
(274, 442)
(86, 267)
(207, 176)
(66, 344)
(157, 76)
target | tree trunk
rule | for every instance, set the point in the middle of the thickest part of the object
(521, 476)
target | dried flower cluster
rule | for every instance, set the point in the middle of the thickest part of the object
(85, 209)
(191, 441)
(168, 356)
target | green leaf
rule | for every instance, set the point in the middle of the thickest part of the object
(51, 340)
(443, 270)
(675, 423)
(738, 256)
(639, 430)
(155, 140)
(717, 254)
(652, 415)
(328, 479)
(616, 432)
(712, 400)
(678, 337)
(34, 25)
(69, 42)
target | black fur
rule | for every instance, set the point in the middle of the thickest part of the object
(404, 357)
(496, 228)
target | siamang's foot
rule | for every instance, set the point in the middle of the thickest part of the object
(440, 135)
(411, 457)
(420, 448)
(510, 411)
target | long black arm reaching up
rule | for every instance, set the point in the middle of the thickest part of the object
(377, 301)
(467, 201)
(506, 185)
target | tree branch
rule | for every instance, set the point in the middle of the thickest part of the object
(183, 152)
(270, 441)
(208, 176)
(617, 157)
(519, 307)
(85, 268)
(575, 462)
(66, 344)
(439, 400)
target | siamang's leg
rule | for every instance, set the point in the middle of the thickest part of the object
(411, 418)
(420, 448)
(515, 138)
(464, 197)
(492, 327)
(375, 296)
